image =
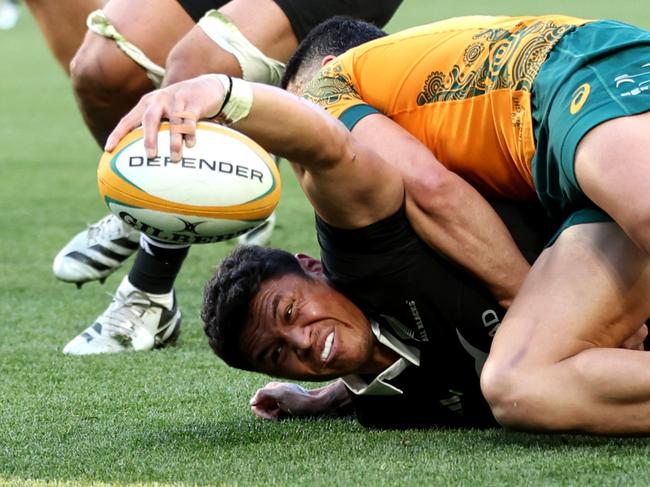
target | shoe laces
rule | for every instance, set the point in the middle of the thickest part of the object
(108, 228)
(125, 313)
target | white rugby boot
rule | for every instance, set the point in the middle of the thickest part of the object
(260, 235)
(134, 321)
(96, 252)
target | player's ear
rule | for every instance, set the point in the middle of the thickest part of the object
(311, 265)
(327, 59)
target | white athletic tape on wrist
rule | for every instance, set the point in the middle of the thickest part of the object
(255, 65)
(98, 23)
(238, 102)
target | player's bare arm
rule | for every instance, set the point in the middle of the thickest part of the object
(446, 211)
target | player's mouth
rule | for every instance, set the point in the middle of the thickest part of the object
(328, 347)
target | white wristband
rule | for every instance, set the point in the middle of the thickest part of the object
(237, 101)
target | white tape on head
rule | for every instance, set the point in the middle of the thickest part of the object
(255, 65)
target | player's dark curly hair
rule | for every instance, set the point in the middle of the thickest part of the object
(332, 37)
(228, 296)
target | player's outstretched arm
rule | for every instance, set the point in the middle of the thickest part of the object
(347, 182)
(278, 400)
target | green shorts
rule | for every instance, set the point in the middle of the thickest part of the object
(585, 215)
(595, 73)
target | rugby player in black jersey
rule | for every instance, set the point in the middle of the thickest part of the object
(406, 329)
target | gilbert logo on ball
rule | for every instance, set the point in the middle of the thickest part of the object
(223, 186)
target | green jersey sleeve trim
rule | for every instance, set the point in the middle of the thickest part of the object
(351, 116)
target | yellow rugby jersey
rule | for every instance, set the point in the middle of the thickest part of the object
(461, 86)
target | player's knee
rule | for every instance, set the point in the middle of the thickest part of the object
(100, 75)
(90, 76)
(497, 388)
(639, 229)
(183, 63)
(504, 389)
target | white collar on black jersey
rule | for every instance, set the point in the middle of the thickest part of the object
(379, 385)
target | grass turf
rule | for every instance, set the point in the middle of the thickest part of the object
(179, 416)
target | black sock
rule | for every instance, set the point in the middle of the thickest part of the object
(156, 272)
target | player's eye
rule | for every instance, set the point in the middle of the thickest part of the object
(288, 312)
(275, 354)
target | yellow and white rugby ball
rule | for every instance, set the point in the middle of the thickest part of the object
(222, 187)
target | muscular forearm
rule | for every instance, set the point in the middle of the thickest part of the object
(446, 211)
(458, 221)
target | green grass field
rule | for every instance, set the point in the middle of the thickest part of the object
(179, 416)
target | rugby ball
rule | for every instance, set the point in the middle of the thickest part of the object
(223, 187)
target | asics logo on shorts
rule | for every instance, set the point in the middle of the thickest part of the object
(634, 84)
(579, 98)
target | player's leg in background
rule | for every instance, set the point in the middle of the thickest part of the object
(63, 25)
(612, 166)
(213, 47)
(555, 363)
(106, 81)
(148, 289)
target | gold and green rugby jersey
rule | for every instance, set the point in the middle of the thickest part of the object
(462, 86)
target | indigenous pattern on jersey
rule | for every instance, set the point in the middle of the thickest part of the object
(461, 86)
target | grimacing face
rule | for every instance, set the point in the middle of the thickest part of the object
(300, 328)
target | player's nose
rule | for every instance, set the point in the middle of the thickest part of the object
(298, 338)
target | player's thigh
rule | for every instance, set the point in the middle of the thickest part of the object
(268, 30)
(612, 165)
(63, 24)
(153, 26)
(591, 288)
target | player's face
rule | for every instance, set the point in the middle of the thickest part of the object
(301, 328)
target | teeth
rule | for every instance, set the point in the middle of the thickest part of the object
(328, 347)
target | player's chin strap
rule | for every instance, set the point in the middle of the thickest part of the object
(255, 65)
(99, 24)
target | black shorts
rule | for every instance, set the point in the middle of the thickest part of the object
(307, 14)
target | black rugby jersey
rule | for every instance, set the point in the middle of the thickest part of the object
(430, 303)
